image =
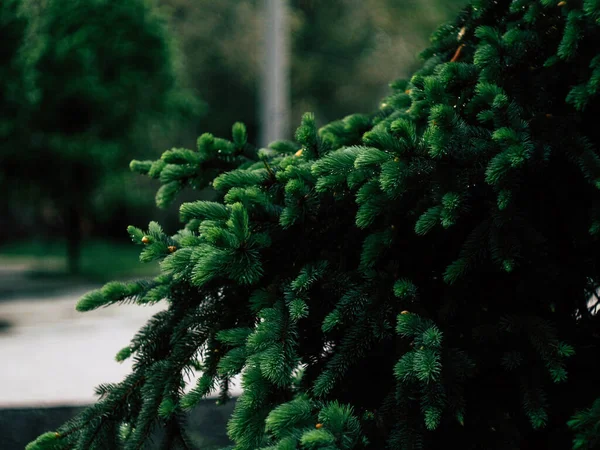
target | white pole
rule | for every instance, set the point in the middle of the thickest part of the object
(275, 80)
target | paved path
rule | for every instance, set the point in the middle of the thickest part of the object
(18, 280)
(53, 355)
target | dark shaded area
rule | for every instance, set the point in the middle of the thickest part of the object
(39, 285)
(206, 425)
(4, 325)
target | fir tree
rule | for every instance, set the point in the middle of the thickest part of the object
(420, 278)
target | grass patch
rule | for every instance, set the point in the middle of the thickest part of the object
(101, 260)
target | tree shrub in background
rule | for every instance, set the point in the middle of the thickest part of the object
(419, 278)
(13, 27)
(13, 95)
(100, 70)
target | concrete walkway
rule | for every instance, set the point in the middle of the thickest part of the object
(53, 355)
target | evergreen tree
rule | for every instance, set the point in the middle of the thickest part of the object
(420, 278)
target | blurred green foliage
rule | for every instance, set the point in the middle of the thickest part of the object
(13, 28)
(99, 72)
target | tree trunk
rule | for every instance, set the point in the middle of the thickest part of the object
(73, 235)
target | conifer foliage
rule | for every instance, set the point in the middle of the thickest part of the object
(420, 278)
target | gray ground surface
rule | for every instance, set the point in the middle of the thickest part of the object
(53, 355)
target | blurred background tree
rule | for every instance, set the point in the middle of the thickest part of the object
(13, 27)
(13, 100)
(101, 71)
